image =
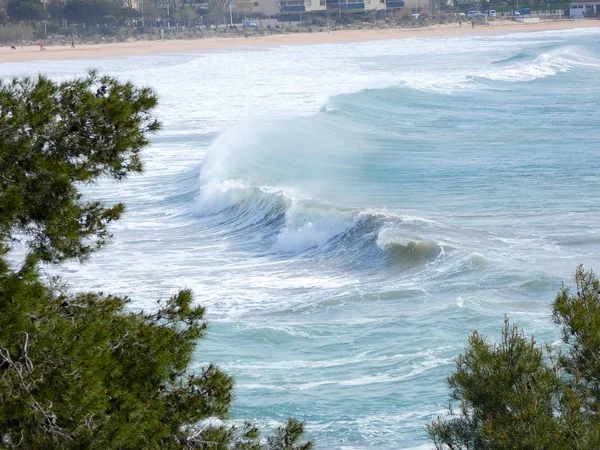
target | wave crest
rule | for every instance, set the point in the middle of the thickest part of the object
(562, 59)
(286, 224)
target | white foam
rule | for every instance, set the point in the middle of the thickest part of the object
(389, 236)
(379, 378)
(307, 228)
(215, 197)
(291, 365)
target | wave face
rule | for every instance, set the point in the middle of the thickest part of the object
(348, 213)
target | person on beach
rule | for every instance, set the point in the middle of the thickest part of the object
(472, 23)
(460, 22)
(42, 45)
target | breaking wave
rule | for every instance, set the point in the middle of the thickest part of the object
(285, 224)
(527, 66)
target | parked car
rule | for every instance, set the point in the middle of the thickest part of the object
(490, 13)
(525, 11)
(513, 14)
(249, 24)
(473, 13)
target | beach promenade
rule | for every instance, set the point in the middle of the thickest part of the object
(146, 47)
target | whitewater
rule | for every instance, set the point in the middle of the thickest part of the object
(348, 213)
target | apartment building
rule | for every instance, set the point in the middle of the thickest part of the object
(273, 7)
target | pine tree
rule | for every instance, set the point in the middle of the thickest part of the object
(518, 395)
(80, 370)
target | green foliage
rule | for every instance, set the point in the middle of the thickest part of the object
(187, 14)
(515, 395)
(25, 10)
(3, 19)
(504, 393)
(55, 10)
(45, 30)
(53, 28)
(217, 9)
(91, 12)
(110, 21)
(13, 33)
(55, 138)
(129, 13)
(579, 316)
(79, 370)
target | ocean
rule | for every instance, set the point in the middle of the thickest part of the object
(348, 213)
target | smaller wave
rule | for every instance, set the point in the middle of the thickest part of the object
(517, 57)
(443, 83)
(476, 260)
(544, 65)
(406, 251)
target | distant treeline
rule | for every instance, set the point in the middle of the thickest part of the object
(84, 12)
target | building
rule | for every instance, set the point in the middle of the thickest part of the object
(584, 8)
(269, 8)
(293, 10)
(335, 6)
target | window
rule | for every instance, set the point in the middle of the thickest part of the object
(322, 3)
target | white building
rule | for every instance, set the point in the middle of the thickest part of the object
(334, 6)
(581, 9)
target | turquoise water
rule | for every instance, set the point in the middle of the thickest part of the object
(348, 213)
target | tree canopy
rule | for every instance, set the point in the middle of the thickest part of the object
(91, 12)
(517, 394)
(78, 369)
(26, 11)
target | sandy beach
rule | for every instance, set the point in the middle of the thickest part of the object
(144, 47)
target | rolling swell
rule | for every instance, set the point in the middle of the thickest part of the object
(309, 187)
(521, 55)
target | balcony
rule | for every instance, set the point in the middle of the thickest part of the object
(344, 6)
(292, 8)
(394, 4)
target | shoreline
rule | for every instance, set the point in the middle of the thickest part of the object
(147, 47)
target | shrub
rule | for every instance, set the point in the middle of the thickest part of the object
(517, 394)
